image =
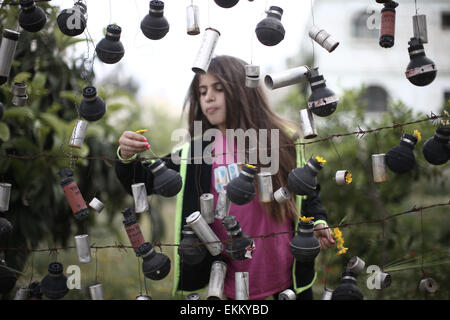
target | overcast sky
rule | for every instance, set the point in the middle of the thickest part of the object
(163, 67)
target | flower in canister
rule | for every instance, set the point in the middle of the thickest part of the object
(321, 160)
(306, 219)
(417, 135)
(348, 178)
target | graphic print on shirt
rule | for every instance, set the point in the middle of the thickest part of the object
(224, 174)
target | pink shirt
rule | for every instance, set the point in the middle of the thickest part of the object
(270, 268)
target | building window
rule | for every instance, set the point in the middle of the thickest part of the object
(375, 99)
(365, 25)
(445, 20)
(447, 97)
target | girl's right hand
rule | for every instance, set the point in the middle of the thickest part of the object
(131, 143)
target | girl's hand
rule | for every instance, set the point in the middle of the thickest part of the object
(324, 236)
(131, 143)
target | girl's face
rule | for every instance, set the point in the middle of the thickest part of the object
(212, 100)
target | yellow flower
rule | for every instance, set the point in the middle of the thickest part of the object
(348, 177)
(321, 160)
(342, 251)
(141, 131)
(251, 166)
(337, 233)
(418, 135)
(305, 219)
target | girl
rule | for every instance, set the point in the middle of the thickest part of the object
(219, 99)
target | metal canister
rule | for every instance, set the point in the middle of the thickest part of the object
(7, 50)
(379, 167)
(207, 207)
(193, 20)
(216, 280)
(206, 51)
(323, 38)
(83, 248)
(286, 78)
(143, 297)
(96, 292)
(19, 91)
(140, 197)
(223, 205)
(341, 177)
(287, 294)
(241, 285)
(5, 195)
(97, 205)
(193, 296)
(265, 189)
(22, 293)
(420, 27)
(428, 286)
(356, 265)
(78, 134)
(383, 279)
(327, 294)
(307, 124)
(251, 76)
(205, 233)
(282, 195)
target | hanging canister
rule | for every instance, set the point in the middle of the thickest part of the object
(387, 31)
(282, 195)
(343, 177)
(265, 189)
(379, 167)
(241, 285)
(96, 292)
(420, 27)
(19, 91)
(252, 76)
(143, 297)
(207, 207)
(166, 182)
(206, 51)
(205, 233)
(327, 294)
(286, 78)
(307, 124)
(97, 205)
(428, 286)
(323, 38)
(73, 194)
(22, 293)
(270, 30)
(193, 20)
(78, 134)
(5, 195)
(7, 51)
(287, 294)
(223, 205)
(193, 296)
(241, 190)
(383, 279)
(356, 265)
(216, 280)
(133, 230)
(140, 197)
(83, 248)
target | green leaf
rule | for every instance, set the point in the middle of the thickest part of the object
(22, 76)
(4, 131)
(61, 127)
(18, 113)
(39, 81)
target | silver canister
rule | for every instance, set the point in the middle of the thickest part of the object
(379, 167)
(83, 248)
(428, 286)
(216, 280)
(193, 296)
(282, 195)
(241, 285)
(97, 205)
(356, 265)
(7, 50)
(327, 294)
(19, 91)
(420, 27)
(207, 207)
(265, 189)
(223, 205)
(140, 197)
(323, 38)
(383, 279)
(19, 101)
(341, 177)
(205, 233)
(286, 78)
(96, 292)
(307, 124)
(143, 297)
(22, 293)
(5, 195)
(193, 20)
(206, 51)
(287, 294)
(78, 134)
(251, 76)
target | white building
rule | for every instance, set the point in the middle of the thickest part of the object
(360, 60)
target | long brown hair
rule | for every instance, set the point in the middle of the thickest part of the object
(248, 108)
